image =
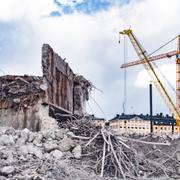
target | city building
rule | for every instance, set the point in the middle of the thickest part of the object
(140, 124)
(130, 124)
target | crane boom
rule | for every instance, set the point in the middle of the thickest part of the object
(142, 54)
(152, 58)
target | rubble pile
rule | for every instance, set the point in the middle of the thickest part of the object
(127, 156)
(80, 150)
(40, 155)
(17, 86)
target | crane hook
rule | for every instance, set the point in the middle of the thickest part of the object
(119, 41)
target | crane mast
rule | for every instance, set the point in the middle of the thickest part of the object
(142, 54)
(178, 76)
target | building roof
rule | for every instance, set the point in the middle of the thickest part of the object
(158, 119)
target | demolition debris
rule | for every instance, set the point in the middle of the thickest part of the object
(127, 156)
(80, 150)
(26, 101)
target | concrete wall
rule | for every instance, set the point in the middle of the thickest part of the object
(19, 96)
(64, 88)
(59, 79)
(20, 118)
(25, 100)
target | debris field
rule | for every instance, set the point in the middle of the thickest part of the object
(78, 149)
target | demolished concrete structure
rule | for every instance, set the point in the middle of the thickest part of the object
(26, 101)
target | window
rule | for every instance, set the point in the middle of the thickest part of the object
(135, 127)
(155, 127)
(143, 127)
(128, 127)
(132, 127)
(139, 127)
(164, 128)
(161, 128)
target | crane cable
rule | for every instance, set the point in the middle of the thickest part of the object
(90, 108)
(163, 46)
(98, 106)
(125, 77)
(167, 81)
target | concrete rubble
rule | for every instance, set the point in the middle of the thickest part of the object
(71, 154)
(39, 155)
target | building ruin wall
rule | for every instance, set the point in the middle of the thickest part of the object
(25, 101)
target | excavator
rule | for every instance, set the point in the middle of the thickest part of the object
(146, 61)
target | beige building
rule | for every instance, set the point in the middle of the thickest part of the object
(177, 130)
(162, 129)
(140, 124)
(130, 124)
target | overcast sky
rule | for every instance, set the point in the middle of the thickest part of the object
(86, 33)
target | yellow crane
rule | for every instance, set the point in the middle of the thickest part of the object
(142, 54)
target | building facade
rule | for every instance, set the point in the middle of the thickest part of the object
(129, 124)
(141, 124)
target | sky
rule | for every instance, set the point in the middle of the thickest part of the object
(86, 33)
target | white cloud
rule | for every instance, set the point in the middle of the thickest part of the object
(167, 70)
(20, 9)
(90, 43)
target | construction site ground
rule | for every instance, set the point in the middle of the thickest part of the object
(79, 150)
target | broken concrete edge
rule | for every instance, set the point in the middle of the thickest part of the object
(59, 91)
(64, 88)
